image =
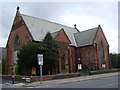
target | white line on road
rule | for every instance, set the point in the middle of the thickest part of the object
(109, 85)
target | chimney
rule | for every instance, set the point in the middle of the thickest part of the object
(18, 8)
(75, 26)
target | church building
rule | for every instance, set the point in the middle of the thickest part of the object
(88, 48)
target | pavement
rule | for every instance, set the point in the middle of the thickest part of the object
(62, 81)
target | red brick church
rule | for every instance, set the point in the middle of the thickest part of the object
(90, 47)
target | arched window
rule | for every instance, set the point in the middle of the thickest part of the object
(63, 62)
(17, 43)
(102, 52)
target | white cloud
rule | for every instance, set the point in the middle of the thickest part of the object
(3, 42)
(114, 46)
(59, 0)
(85, 15)
(83, 21)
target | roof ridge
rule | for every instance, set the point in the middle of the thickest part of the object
(87, 30)
(48, 21)
(90, 29)
(85, 37)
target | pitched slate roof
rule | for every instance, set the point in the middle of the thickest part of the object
(86, 37)
(38, 28)
(54, 34)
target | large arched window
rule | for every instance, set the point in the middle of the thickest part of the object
(63, 62)
(102, 59)
(17, 43)
(16, 48)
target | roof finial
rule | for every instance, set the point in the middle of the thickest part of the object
(99, 25)
(18, 8)
(75, 26)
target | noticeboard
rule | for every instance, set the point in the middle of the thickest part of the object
(79, 66)
(40, 59)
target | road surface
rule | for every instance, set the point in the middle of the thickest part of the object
(109, 82)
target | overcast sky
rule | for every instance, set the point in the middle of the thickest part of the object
(85, 14)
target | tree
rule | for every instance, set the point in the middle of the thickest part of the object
(3, 64)
(115, 60)
(27, 58)
(51, 52)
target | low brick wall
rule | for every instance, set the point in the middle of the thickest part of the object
(17, 77)
(53, 77)
(37, 78)
(104, 71)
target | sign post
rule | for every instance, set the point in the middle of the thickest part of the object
(41, 74)
(40, 62)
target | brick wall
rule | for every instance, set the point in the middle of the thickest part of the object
(93, 51)
(63, 42)
(62, 37)
(74, 59)
(101, 37)
(86, 55)
(37, 78)
(24, 36)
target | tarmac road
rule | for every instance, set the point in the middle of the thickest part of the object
(108, 82)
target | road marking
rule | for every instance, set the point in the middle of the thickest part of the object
(109, 84)
(19, 84)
